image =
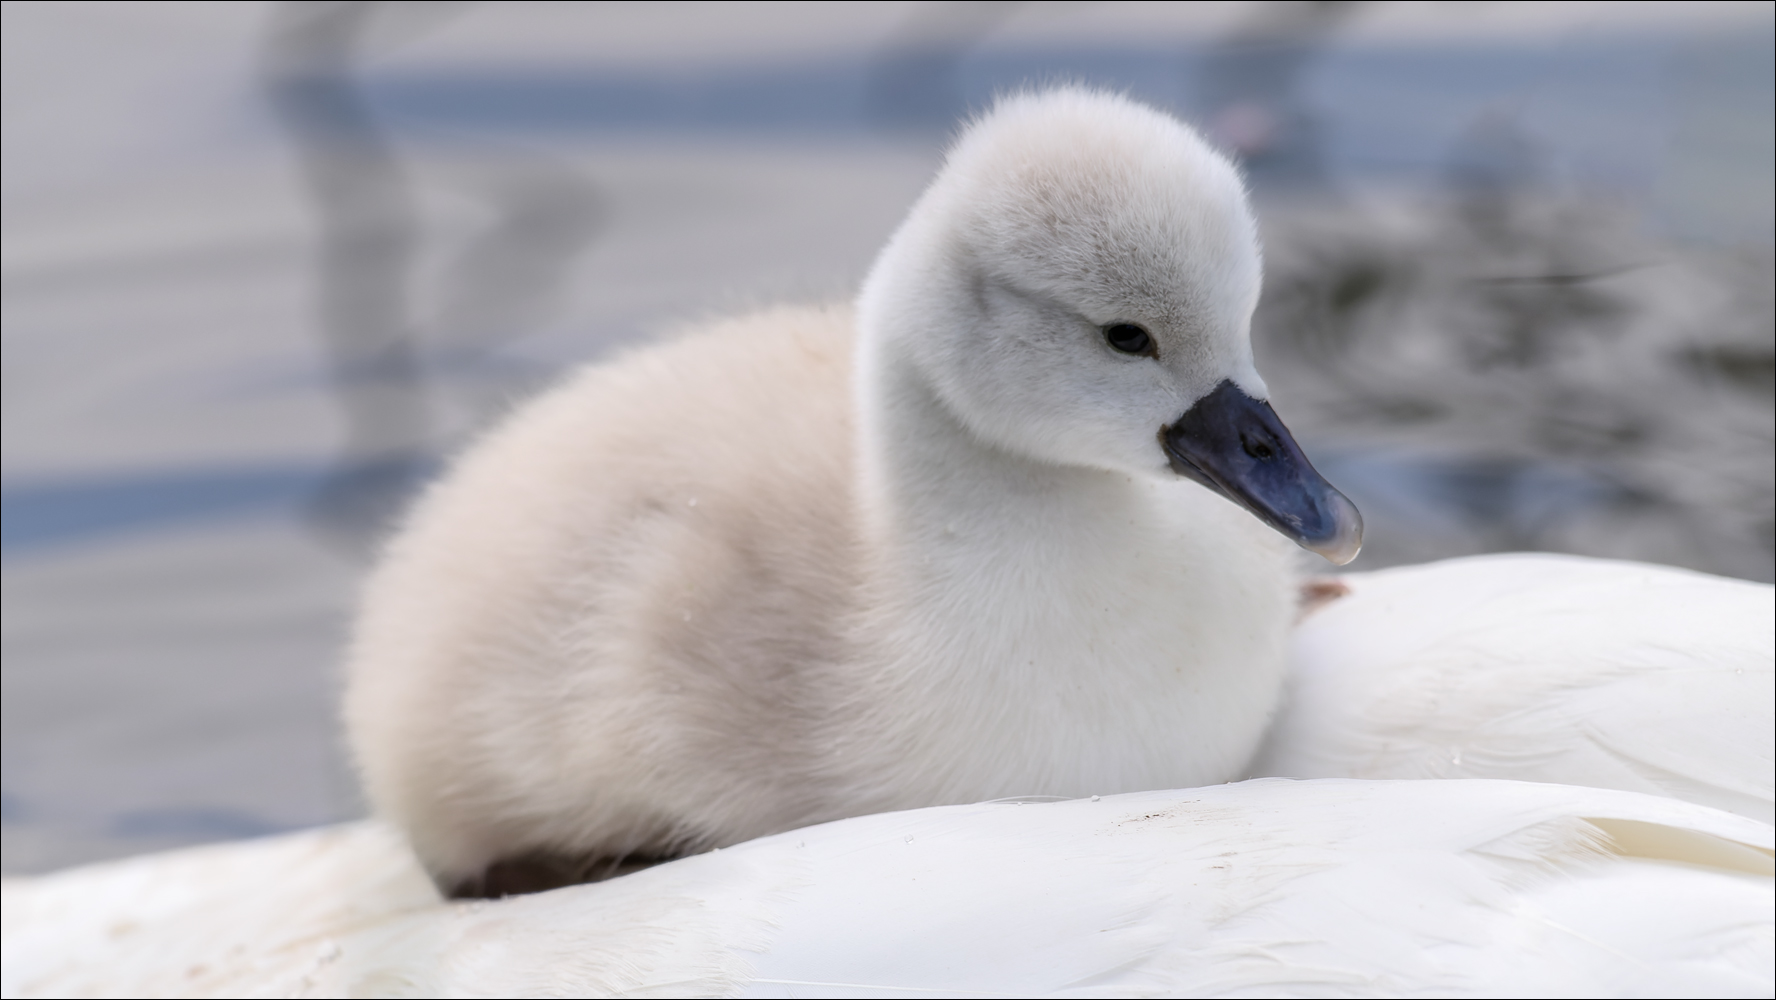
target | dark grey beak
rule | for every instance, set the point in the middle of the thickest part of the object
(1236, 446)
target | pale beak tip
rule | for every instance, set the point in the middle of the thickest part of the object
(1346, 539)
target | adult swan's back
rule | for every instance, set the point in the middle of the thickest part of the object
(975, 542)
(1539, 668)
(1264, 888)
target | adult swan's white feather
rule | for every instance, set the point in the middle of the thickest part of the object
(1539, 668)
(1268, 888)
(799, 566)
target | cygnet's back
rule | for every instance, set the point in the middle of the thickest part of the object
(598, 623)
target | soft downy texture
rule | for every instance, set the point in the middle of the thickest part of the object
(806, 564)
(1263, 888)
(1542, 668)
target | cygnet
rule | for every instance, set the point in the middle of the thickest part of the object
(1021, 522)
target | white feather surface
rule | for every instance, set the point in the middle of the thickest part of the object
(1539, 668)
(1264, 888)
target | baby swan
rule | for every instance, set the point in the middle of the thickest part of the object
(974, 541)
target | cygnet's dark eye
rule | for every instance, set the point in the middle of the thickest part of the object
(1130, 339)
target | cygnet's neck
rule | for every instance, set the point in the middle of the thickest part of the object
(1062, 630)
(936, 495)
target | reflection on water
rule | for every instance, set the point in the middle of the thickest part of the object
(369, 234)
(1427, 506)
(37, 517)
(1506, 370)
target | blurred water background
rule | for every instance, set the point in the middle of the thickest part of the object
(264, 264)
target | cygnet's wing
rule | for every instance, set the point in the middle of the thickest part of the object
(1539, 668)
(1324, 888)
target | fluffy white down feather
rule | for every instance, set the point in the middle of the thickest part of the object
(1540, 668)
(1264, 888)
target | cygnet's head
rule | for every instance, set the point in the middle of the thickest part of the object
(1077, 287)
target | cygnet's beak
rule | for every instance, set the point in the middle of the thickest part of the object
(1236, 446)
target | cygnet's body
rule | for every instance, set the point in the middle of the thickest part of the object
(807, 565)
